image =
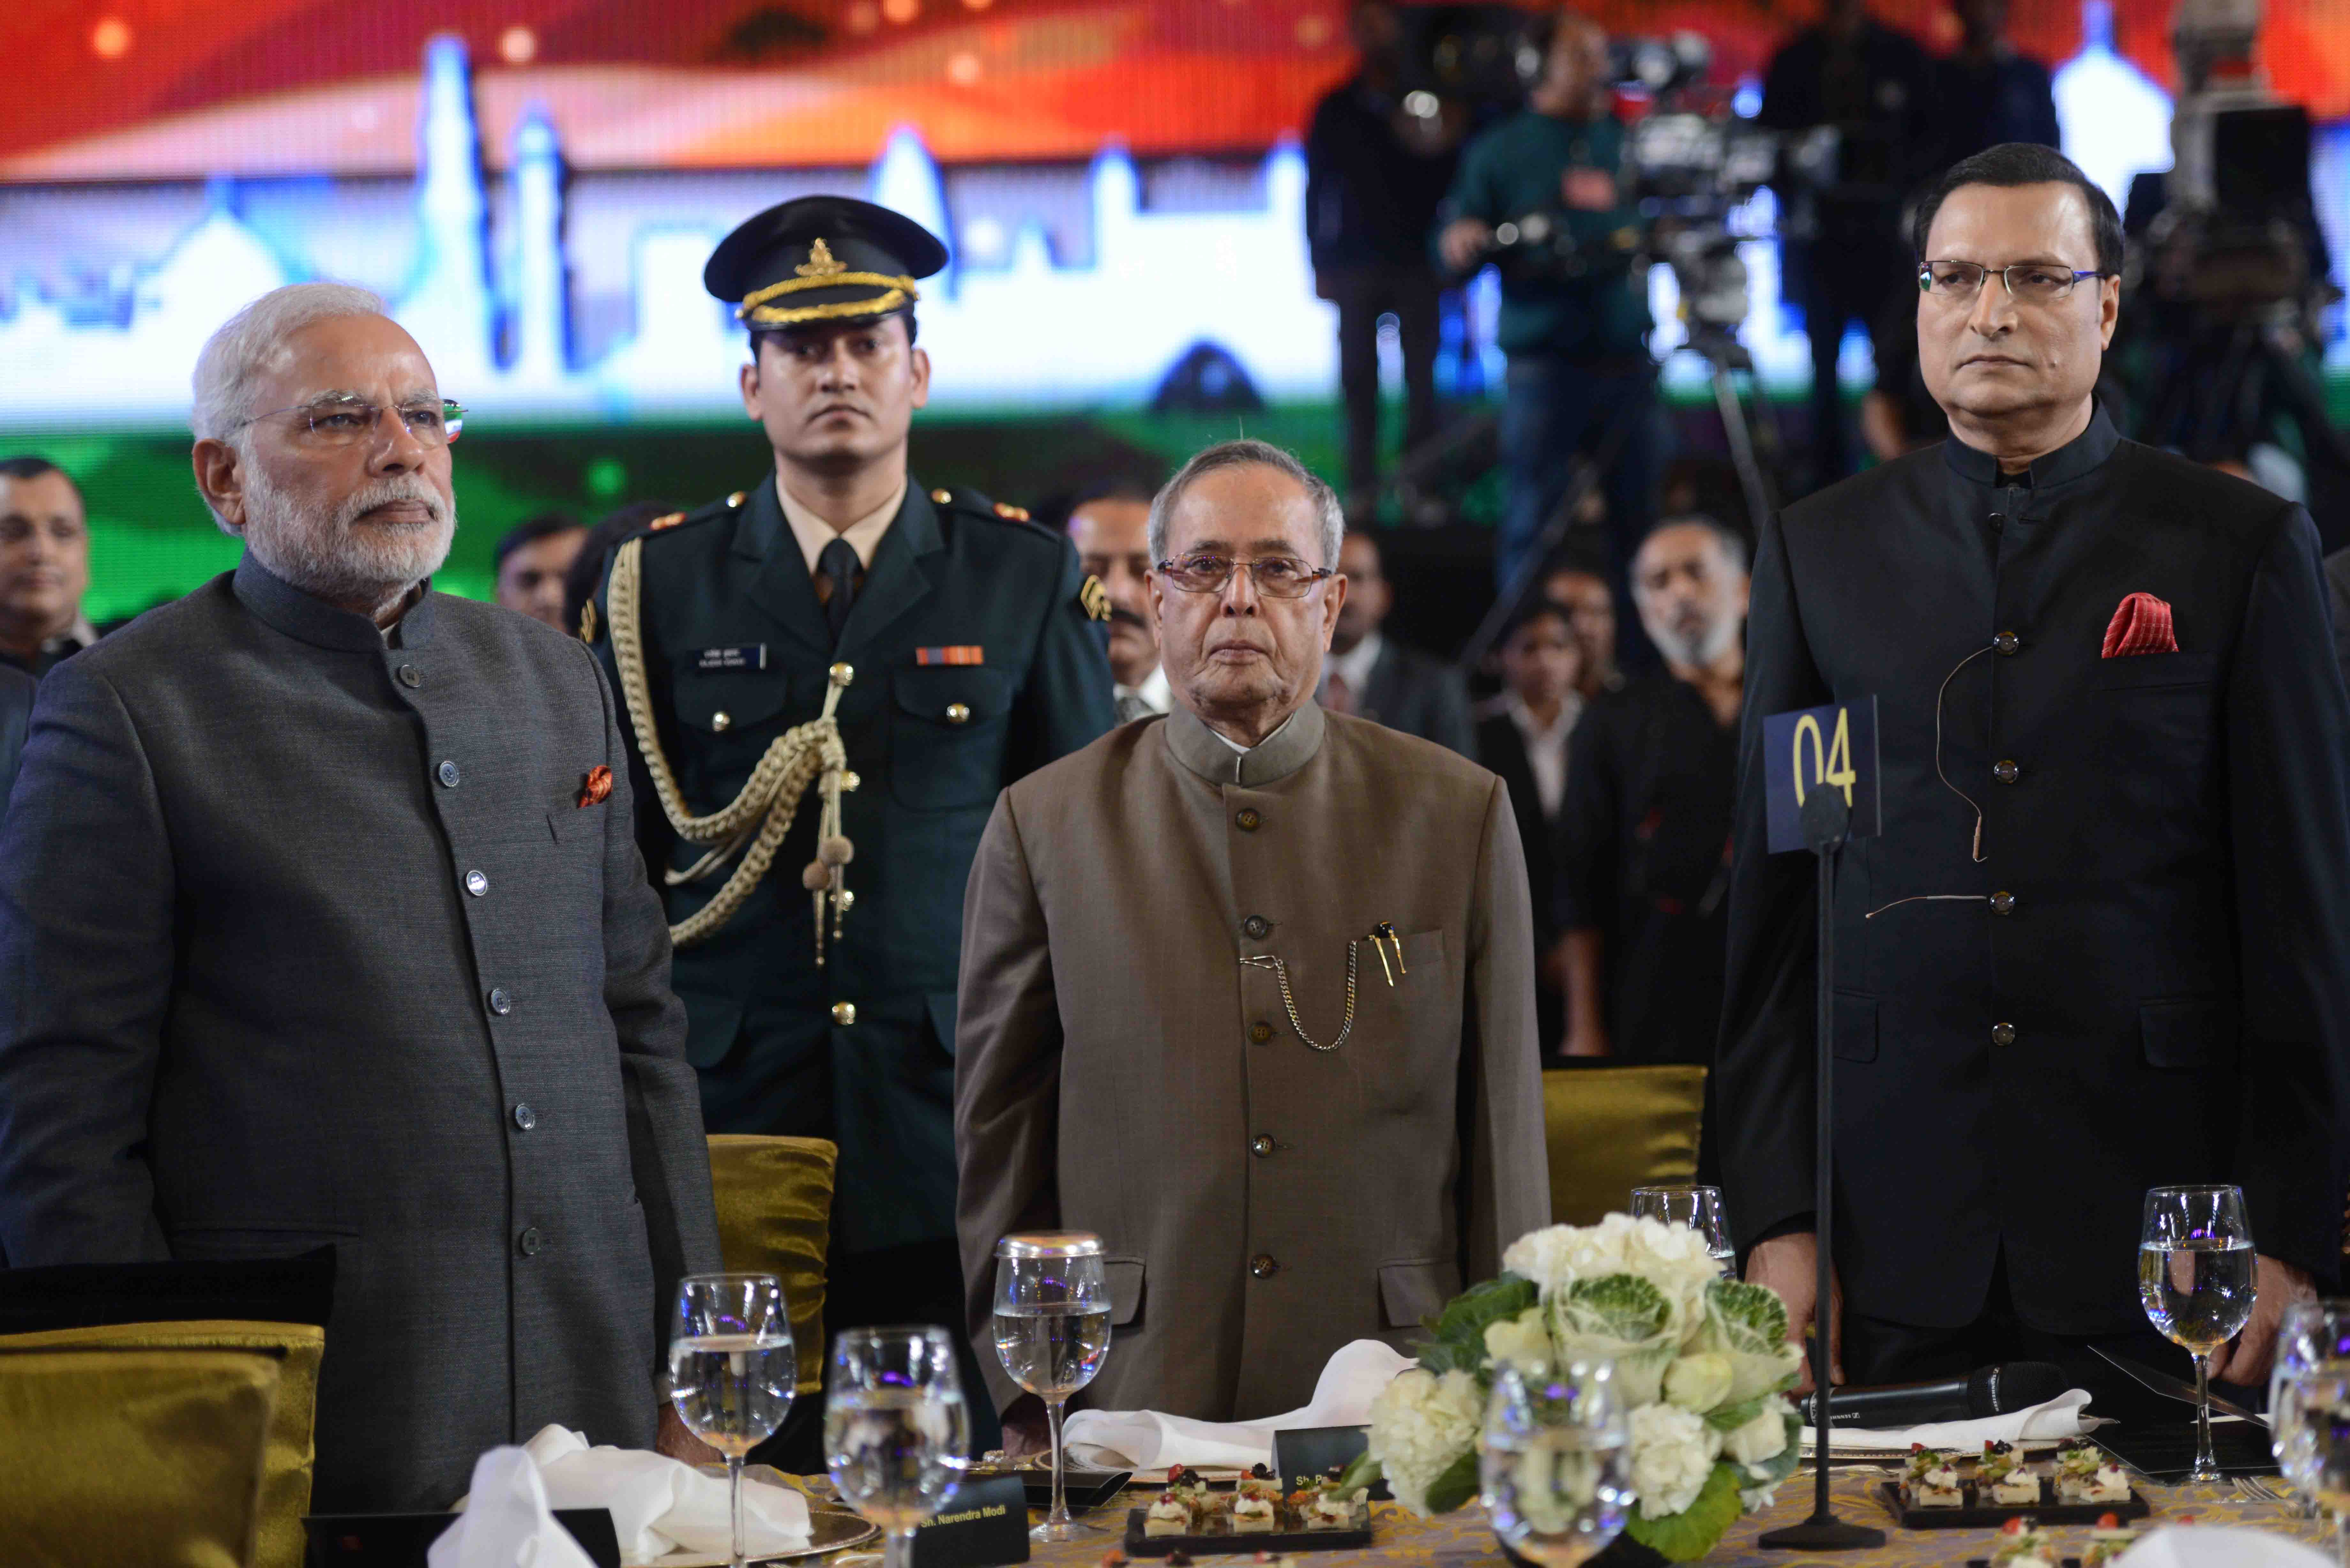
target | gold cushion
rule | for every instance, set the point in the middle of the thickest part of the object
(286, 1480)
(775, 1216)
(149, 1456)
(1611, 1129)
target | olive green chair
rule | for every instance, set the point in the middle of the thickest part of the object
(1611, 1129)
(775, 1216)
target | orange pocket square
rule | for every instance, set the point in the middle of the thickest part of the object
(598, 787)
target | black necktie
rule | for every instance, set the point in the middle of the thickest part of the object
(838, 563)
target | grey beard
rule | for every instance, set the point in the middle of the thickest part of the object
(329, 558)
(1699, 651)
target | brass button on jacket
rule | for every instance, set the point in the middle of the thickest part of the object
(957, 713)
(1259, 1031)
(1264, 1266)
(844, 1013)
(1259, 1145)
(1248, 819)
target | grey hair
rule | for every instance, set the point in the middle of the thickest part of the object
(236, 354)
(1733, 546)
(1329, 515)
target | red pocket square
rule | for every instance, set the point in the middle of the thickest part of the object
(599, 786)
(2142, 624)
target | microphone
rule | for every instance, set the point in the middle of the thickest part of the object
(1985, 1391)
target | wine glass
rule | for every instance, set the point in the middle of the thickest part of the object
(1554, 1460)
(2315, 1425)
(732, 1369)
(1052, 1330)
(896, 1434)
(2194, 1280)
(1699, 1208)
(2312, 1333)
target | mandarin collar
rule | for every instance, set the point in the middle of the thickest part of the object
(281, 605)
(1277, 756)
(2079, 456)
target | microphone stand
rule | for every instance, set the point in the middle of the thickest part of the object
(1825, 819)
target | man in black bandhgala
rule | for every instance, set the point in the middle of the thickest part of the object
(2104, 941)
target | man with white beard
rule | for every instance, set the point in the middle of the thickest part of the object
(322, 925)
(1645, 832)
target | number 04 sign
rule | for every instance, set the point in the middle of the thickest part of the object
(1820, 748)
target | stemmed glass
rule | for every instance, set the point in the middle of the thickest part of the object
(732, 1369)
(896, 1434)
(2316, 1428)
(2194, 1280)
(1052, 1330)
(2312, 1334)
(1554, 1460)
(1699, 1208)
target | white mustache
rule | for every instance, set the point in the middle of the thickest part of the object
(384, 491)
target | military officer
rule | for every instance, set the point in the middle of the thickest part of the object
(829, 676)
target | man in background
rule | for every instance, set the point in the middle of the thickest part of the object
(1590, 605)
(1110, 525)
(1578, 345)
(343, 941)
(1373, 676)
(1986, 92)
(1523, 736)
(531, 562)
(1646, 829)
(1844, 257)
(43, 565)
(1375, 174)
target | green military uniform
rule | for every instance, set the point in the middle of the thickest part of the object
(823, 1004)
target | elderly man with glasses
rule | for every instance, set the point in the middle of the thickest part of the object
(322, 925)
(1248, 991)
(2104, 941)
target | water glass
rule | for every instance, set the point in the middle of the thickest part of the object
(732, 1369)
(2311, 1333)
(1699, 1208)
(2195, 1280)
(1051, 1331)
(1554, 1460)
(2315, 1428)
(897, 1435)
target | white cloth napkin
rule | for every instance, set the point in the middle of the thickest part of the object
(509, 1523)
(658, 1504)
(2218, 1546)
(2057, 1418)
(1146, 1439)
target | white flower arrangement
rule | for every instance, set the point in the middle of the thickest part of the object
(1703, 1362)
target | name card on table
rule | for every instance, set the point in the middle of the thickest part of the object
(1811, 749)
(984, 1525)
(1306, 1456)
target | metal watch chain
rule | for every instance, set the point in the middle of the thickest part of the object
(1289, 1003)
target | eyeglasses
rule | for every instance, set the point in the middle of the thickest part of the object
(1275, 576)
(345, 421)
(2030, 283)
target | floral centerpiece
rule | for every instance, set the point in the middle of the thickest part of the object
(1703, 1364)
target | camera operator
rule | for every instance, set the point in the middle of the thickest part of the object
(1847, 257)
(1371, 196)
(1988, 92)
(1577, 342)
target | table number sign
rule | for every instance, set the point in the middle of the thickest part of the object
(1811, 749)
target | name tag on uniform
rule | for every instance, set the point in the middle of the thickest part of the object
(750, 656)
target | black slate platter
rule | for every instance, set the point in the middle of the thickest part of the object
(1974, 1516)
(1225, 1543)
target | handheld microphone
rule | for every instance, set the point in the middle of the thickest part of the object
(1985, 1391)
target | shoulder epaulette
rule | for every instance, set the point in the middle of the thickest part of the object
(971, 504)
(719, 508)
